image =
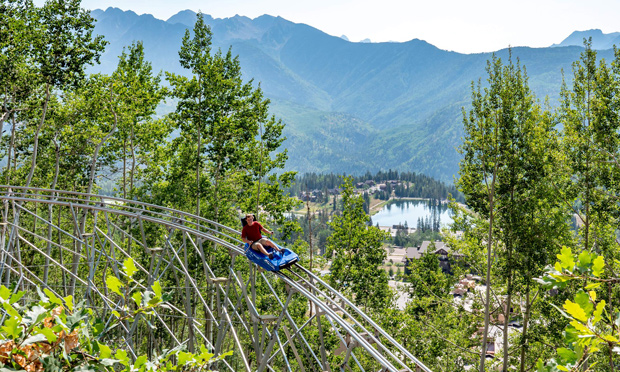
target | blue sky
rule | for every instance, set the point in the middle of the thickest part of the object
(466, 26)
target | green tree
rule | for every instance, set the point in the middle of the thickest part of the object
(140, 92)
(589, 114)
(503, 175)
(357, 253)
(223, 159)
(61, 52)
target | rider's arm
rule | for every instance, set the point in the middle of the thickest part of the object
(245, 239)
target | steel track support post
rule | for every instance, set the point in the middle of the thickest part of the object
(298, 330)
(77, 244)
(90, 253)
(11, 243)
(50, 216)
(292, 344)
(239, 346)
(281, 349)
(323, 353)
(3, 226)
(274, 333)
(188, 297)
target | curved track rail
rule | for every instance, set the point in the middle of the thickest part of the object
(292, 320)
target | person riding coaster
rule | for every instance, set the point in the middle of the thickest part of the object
(251, 234)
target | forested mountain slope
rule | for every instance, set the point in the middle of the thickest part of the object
(349, 107)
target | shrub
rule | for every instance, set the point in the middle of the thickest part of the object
(55, 335)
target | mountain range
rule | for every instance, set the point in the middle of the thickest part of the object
(600, 40)
(348, 107)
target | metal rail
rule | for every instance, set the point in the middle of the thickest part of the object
(70, 242)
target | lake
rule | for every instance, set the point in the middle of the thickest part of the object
(409, 211)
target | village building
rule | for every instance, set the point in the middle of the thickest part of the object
(438, 248)
(334, 191)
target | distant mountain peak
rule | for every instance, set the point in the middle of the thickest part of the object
(114, 11)
(366, 41)
(183, 14)
(600, 40)
(344, 37)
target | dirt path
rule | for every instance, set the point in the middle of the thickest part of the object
(376, 205)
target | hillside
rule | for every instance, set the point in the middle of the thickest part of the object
(600, 40)
(348, 106)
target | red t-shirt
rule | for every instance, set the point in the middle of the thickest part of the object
(252, 232)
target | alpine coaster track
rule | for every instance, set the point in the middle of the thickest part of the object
(291, 320)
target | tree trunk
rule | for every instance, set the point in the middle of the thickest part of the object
(508, 302)
(526, 320)
(198, 175)
(50, 214)
(35, 147)
(506, 321)
(124, 169)
(487, 305)
(11, 152)
(91, 181)
(133, 160)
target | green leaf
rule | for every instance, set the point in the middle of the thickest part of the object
(592, 295)
(16, 297)
(185, 358)
(48, 333)
(130, 267)
(584, 260)
(114, 284)
(104, 350)
(69, 302)
(228, 353)
(571, 335)
(575, 311)
(52, 297)
(11, 311)
(5, 293)
(157, 288)
(74, 320)
(581, 329)
(566, 258)
(12, 327)
(122, 357)
(610, 338)
(583, 300)
(142, 359)
(98, 327)
(594, 285)
(540, 366)
(137, 297)
(154, 301)
(560, 277)
(598, 266)
(568, 356)
(598, 312)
